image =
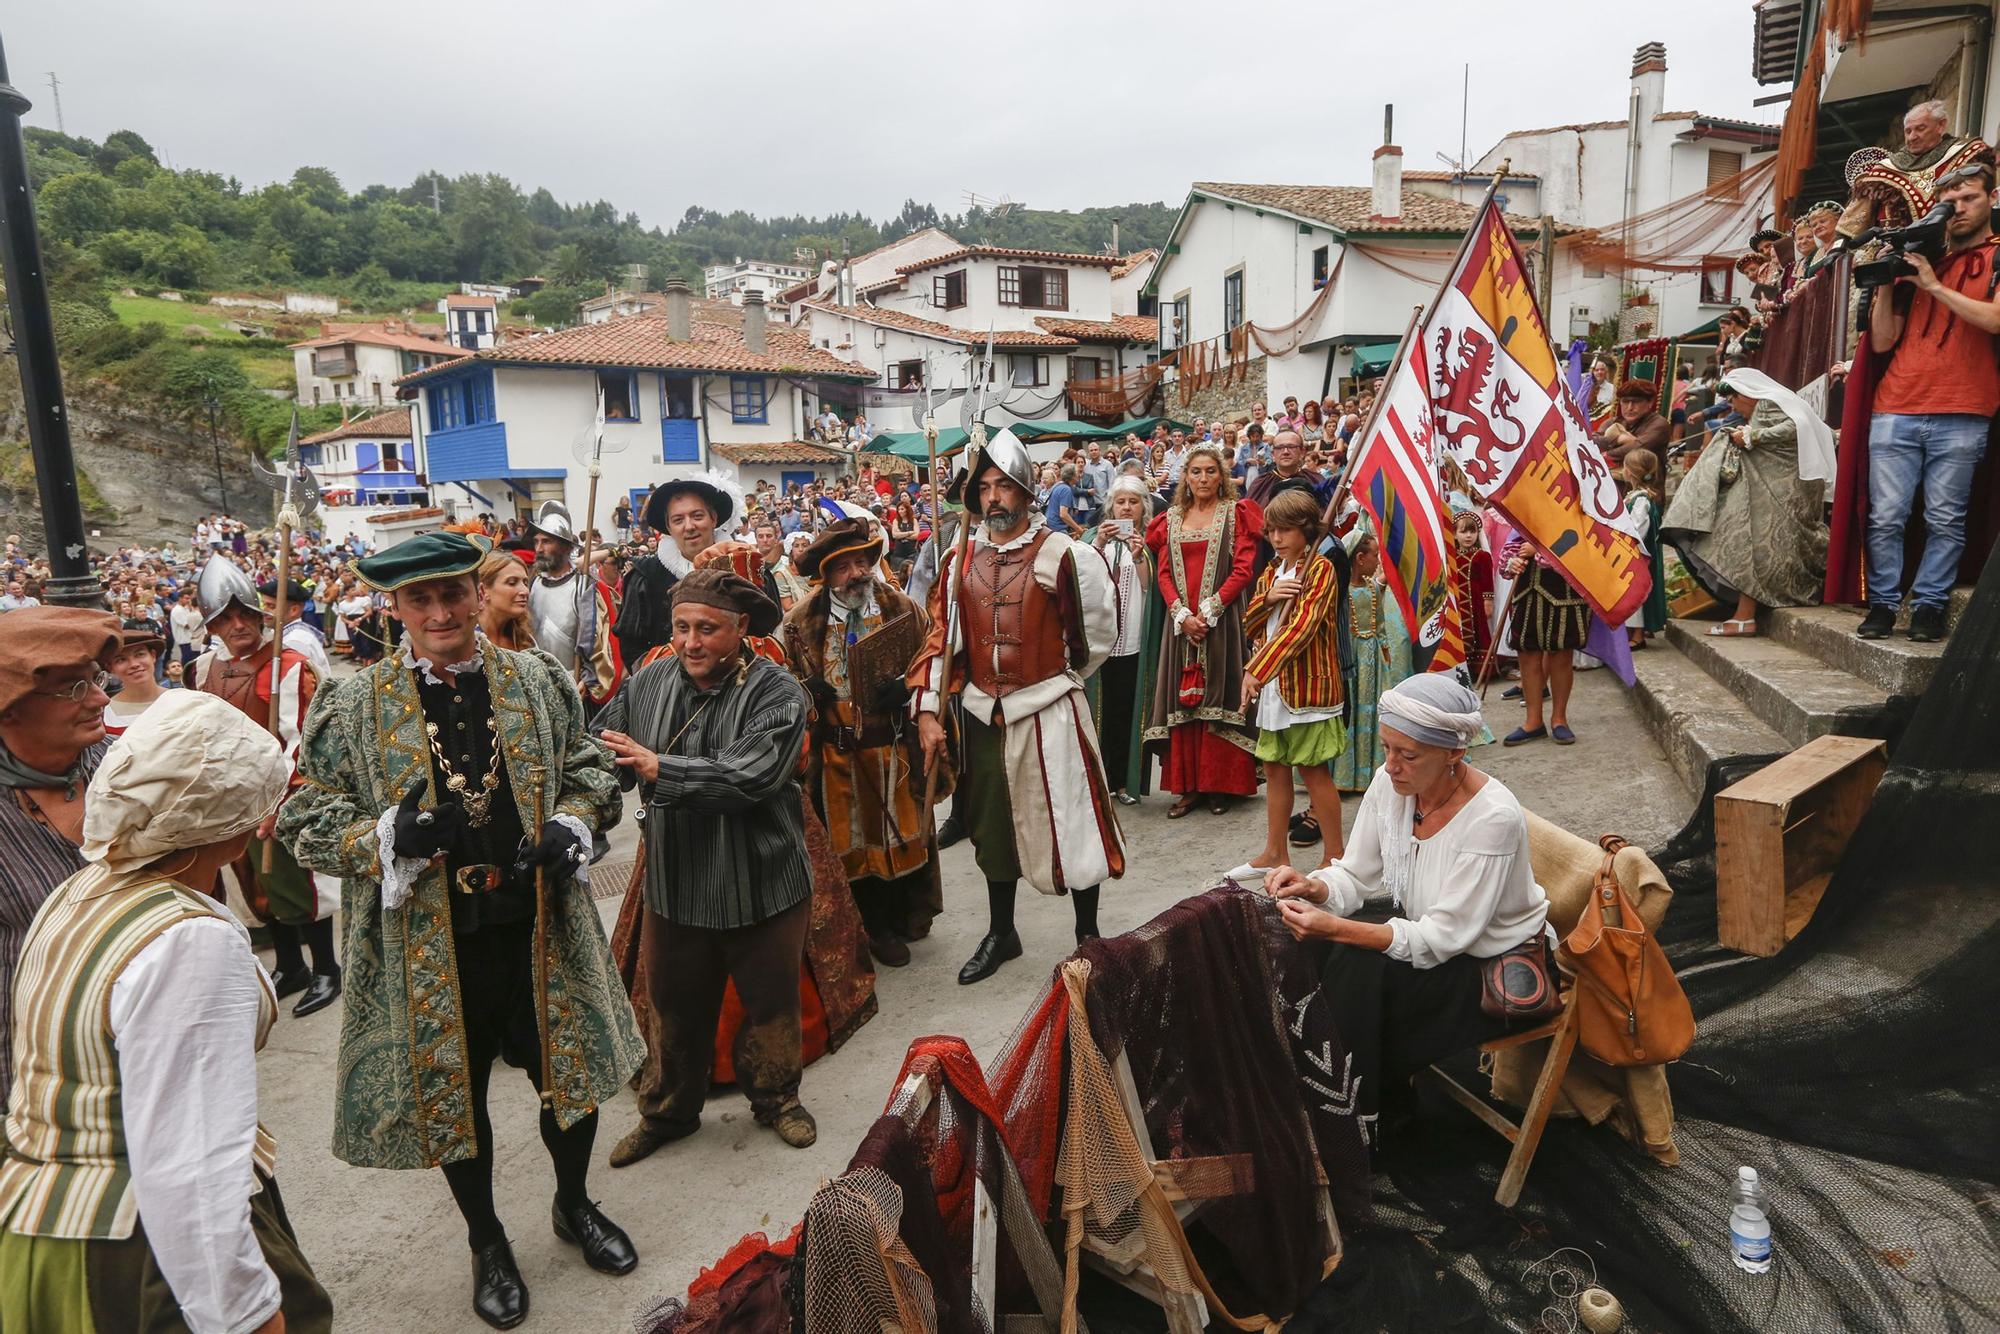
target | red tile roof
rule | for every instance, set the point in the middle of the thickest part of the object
(1349, 208)
(376, 335)
(1117, 329)
(1468, 177)
(896, 319)
(800, 290)
(1001, 252)
(393, 423)
(787, 451)
(1132, 261)
(642, 342)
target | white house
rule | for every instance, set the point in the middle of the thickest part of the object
(510, 426)
(366, 468)
(1328, 275)
(1051, 315)
(728, 282)
(877, 266)
(360, 363)
(471, 319)
(1596, 174)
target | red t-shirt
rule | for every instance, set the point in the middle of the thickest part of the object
(1943, 364)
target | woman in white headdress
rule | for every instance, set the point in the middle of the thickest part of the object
(138, 1191)
(1747, 519)
(1446, 846)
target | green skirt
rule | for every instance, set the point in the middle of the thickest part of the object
(1303, 744)
(55, 1285)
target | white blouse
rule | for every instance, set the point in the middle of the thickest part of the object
(1467, 889)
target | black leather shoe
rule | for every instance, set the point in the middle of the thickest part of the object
(499, 1297)
(1926, 625)
(950, 832)
(1082, 936)
(291, 981)
(1877, 623)
(323, 991)
(993, 951)
(606, 1248)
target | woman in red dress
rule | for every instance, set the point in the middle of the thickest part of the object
(1472, 584)
(1205, 549)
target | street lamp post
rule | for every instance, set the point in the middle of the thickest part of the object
(214, 406)
(71, 581)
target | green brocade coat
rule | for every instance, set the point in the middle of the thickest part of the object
(403, 1097)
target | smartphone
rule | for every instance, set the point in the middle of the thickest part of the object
(1122, 527)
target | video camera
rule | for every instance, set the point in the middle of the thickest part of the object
(1923, 237)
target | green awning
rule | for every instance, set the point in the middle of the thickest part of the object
(1373, 358)
(1055, 429)
(912, 445)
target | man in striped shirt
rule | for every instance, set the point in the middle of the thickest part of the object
(713, 737)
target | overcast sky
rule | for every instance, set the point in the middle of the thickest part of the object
(813, 108)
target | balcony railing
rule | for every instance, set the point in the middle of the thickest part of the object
(330, 367)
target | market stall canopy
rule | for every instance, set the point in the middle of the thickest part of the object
(1373, 358)
(911, 445)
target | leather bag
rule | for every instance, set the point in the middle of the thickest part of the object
(1630, 1009)
(1521, 984)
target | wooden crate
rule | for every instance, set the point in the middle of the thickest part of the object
(1779, 834)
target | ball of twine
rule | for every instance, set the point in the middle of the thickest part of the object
(1599, 1311)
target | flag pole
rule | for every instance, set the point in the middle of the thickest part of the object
(1368, 426)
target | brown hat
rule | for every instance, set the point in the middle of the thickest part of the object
(35, 641)
(1644, 391)
(839, 539)
(718, 587)
(140, 634)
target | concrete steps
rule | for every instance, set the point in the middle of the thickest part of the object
(1694, 716)
(1804, 675)
(1795, 694)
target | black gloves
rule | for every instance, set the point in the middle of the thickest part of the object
(558, 850)
(891, 696)
(424, 834)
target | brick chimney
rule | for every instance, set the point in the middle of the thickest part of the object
(1649, 81)
(753, 323)
(1386, 202)
(680, 310)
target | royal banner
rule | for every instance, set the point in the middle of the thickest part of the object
(1394, 476)
(1503, 414)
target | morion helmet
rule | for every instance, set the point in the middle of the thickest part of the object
(223, 582)
(1004, 451)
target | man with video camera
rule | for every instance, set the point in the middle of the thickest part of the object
(1933, 406)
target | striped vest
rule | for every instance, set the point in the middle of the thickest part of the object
(65, 1173)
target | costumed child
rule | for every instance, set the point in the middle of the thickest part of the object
(1292, 681)
(1472, 583)
(1645, 499)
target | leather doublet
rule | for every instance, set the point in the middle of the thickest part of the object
(1013, 630)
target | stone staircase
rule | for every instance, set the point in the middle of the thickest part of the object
(1804, 675)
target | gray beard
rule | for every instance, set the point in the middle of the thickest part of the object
(999, 521)
(549, 566)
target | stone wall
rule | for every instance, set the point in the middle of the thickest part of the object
(1228, 401)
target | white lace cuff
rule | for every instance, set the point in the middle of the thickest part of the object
(398, 873)
(582, 832)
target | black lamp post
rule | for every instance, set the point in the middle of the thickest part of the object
(214, 406)
(71, 581)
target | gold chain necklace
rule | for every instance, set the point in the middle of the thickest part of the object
(477, 804)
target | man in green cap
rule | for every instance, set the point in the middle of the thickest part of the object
(453, 787)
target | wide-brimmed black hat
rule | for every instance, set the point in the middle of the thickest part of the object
(295, 592)
(719, 503)
(724, 588)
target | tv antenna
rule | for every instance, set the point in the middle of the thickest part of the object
(998, 208)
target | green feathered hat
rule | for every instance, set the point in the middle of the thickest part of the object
(428, 556)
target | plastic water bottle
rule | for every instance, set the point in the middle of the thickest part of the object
(1750, 1190)
(1750, 1238)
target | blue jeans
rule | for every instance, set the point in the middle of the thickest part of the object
(1939, 452)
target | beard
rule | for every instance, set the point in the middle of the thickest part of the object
(854, 590)
(1000, 519)
(552, 562)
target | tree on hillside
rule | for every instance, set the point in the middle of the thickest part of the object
(120, 145)
(78, 206)
(320, 188)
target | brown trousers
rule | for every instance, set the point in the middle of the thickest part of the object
(688, 968)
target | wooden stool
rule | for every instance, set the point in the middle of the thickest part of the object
(1526, 1137)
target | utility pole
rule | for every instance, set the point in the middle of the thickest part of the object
(436, 206)
(55, 87)
(71, 582)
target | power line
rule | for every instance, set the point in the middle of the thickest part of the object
(55, 86)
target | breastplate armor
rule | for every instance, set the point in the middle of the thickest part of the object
(1013, 631)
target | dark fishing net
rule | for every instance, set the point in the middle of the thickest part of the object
(1856, 1070)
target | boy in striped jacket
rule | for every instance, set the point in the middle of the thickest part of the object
(1292, 680)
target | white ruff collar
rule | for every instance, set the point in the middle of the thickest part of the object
(1035, 525)
(424, 668)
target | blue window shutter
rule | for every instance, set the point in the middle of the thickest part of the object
(748, 401)
(680, 440)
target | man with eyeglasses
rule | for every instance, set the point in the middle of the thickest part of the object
(238, 670)
(52, 700)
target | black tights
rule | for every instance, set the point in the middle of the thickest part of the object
(471, 1179)
(315, 935)
(1000, 908)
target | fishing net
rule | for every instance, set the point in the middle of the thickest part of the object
(1854, 1070)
